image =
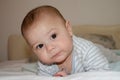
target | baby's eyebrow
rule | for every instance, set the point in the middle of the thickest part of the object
(51, 30)
(33, 45)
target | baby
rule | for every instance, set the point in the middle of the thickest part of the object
(60, 53)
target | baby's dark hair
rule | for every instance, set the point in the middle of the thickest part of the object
(35, 14)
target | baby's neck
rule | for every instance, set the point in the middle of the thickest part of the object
(66, 65)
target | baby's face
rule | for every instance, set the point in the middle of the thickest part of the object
(50, 40)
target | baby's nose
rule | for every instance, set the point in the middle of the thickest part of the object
(50, 46)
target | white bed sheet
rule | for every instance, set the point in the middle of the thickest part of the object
(17, 70)
(79, 76)
(13, 68)
(22, 70)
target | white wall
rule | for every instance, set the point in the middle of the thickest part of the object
(105, 12)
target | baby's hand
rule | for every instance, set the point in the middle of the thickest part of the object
(61, 73)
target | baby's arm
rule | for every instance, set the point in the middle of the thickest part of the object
(95, 60)
(44, 70)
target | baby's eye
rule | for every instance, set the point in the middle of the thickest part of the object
(40, 46)
(54, 36)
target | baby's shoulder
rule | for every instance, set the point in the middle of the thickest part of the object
(82, 43)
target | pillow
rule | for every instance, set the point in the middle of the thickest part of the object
(115, 66)
(117, 52)
(18, 49)
(33, 58)
(105, 40)
(111, 55)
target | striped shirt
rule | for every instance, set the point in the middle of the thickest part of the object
(85, 57)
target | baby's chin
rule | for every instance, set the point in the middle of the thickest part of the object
(54, 61)
(51, 63)
(60, 61)
(46, 63)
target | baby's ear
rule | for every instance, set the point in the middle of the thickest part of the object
(69, 27)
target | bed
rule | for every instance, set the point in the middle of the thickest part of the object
(22, 64)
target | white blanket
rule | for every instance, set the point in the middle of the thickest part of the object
(79, 76)
(12, 70)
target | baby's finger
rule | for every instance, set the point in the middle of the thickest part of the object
(60, 74)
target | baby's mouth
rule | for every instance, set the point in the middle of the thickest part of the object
(56, 54)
